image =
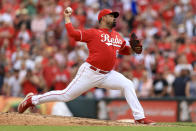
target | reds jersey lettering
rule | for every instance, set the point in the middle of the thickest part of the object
(111, 41)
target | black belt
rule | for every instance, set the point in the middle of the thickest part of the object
(100, 71)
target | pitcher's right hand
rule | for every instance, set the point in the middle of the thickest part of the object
(68, 11)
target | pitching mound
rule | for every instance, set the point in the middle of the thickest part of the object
(37, 119)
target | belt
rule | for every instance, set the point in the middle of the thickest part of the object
(98, 70)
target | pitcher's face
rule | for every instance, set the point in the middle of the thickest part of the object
(110, 20)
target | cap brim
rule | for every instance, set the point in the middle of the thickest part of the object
(116, 14)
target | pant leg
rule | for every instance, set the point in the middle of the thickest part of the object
(84, 80)
(117, 81)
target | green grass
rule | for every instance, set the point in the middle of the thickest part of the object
(182, 124)
(182, 127)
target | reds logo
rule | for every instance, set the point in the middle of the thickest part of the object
(110, 41)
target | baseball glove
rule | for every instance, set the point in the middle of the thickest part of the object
(135, 44)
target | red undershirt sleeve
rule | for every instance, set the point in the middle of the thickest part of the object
(76, 34)
(80, 35)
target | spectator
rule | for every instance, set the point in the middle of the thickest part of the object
(32, 83)
(30, 64)
(160, 86)
(190, 90)
(22, 71)
(38, 74)
(61, 55)
(169, 77)
(188, 49)
(79, 54)
(49, 71)
(61, 78)
(179, 14)
(12, 85)
(194, 27)
(92, 14)
(130, 19)
(38, 26)
(31, 7)
(7, 33)
(22, 17)
(145, 85)
(17, 54)
(29, 83)
(182, 63)
(189, 24)
(5, 83)
(24, 34)
(180, 82)
(2, 73)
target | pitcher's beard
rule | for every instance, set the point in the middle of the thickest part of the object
(112, 25)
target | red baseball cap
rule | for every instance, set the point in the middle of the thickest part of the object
(107, 12)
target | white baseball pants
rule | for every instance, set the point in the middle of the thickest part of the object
(86, 79)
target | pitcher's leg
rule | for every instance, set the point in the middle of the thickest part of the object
(79, 85)
(133, 101)
(117, 81)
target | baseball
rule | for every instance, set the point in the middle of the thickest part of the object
(69, 9)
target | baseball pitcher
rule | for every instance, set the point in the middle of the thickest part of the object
(97, 71)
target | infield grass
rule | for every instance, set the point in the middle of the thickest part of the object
(175, 127)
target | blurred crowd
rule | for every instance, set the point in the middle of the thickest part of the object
(37, 55)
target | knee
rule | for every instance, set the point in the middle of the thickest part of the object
(129, 85)
(67, 97)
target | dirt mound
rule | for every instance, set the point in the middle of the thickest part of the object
(37, 119)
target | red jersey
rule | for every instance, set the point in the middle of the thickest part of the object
(29, 87)
(62, 79)
(8, 30)
(49, 74)
(103, 45)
